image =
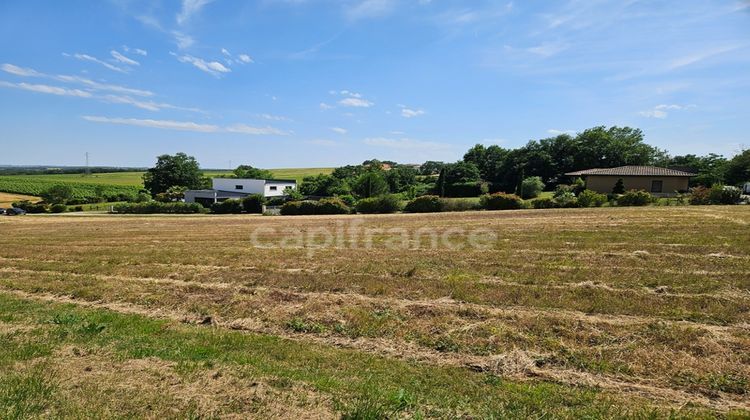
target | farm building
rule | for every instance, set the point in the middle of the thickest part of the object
(661, 182)
(226, 188)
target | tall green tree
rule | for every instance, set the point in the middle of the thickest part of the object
(58, 194)
(249, 172)
(174, 170)
(371, 184)
(738, 169)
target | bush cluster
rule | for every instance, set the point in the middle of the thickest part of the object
(230, 206)
(635, 198)
(253, 203)
(332, 205)
(501, 201)
(425, 204)
(589, 198)
(153, 207)
(382, 204)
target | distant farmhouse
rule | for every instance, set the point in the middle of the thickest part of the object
(226, 188)
(661, 182)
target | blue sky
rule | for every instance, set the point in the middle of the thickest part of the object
(306, 83)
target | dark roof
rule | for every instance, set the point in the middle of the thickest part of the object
(281, 180)
(632, 171)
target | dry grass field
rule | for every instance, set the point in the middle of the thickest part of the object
(609, 312)
(7, 199)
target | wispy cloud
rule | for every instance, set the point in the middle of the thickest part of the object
(90, 84)
(20, 71)
(356, 102)
(122, 59)
(147, 105)
(189, 9)
(271, 117)
(52, 90)
(662, 111)
(135, 50)
(86, 57)
(211, 67)
(324, 106)
(556, 132)
(186, 126)
(411, 113)
(339, 130)
(245, 58)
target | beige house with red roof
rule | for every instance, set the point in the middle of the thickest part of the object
(661, 182)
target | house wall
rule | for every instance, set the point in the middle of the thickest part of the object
(249, 186)
(278, 191)
(604, 184)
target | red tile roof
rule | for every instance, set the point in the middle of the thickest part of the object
(632, 171)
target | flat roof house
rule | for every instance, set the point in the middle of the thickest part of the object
(226, 188)
(661, 182)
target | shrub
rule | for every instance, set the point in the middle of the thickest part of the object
(31, 207)
(531, 187)
(465, 189)
(458, 204)
(325, 206)
(425, 204)
(230, 206)
(58, 208)
(563, 189)
(544, 203)
(333, 206)
(721, 194)
(78, 208)
(291, 208)
(153, 207)
(588, 198)
(501, 201)
(382, 204)
(348, 199)
(566, 199)
(699, 196)
(635, 198)
(253, 203)
(619, 187)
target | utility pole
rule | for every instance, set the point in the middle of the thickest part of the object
(230, 164)
(88, 170)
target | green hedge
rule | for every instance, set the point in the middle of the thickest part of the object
(153, 207)
(307, 208)
(501, 201)
(382, 204)
(425, 204)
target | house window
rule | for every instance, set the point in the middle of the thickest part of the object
(272, 188)
(238, 187)
(656, 186)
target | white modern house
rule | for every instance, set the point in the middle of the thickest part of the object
(226, 188)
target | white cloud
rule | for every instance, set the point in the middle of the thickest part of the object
(135, 50)
(182, 40)
(411, 113)
(555, 132)
(256, 131)
(226, 52)
(102, 86)
(122, 59)
(273, 117)
(324, 106)
(211, 67)
(147, 105)
(405, 144)
(662, 111)
(356, 102)
(52, 90)
(245, 58)
(86, 57)
(161, 124)
(190, 8)
(187, 126)
(20, 71)
(339, 130)
(548, 49)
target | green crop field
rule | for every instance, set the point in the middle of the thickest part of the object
(572, 313)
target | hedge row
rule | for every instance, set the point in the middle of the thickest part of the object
(332, 205)
(153, 207)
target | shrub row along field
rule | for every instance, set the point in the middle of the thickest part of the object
(37, 184)
(598, 312)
